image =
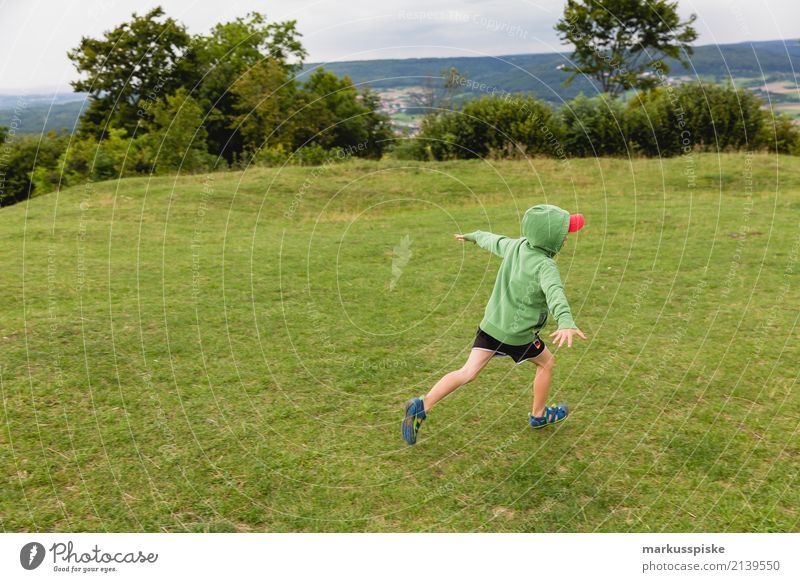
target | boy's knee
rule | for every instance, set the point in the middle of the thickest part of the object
(549, 363)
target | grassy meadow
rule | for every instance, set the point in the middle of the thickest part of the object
(231, 352)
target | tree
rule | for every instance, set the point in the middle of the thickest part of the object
(453, 85)
(434, 97)
(176, 138)
(138, 62)
(424, 101)
(593, 127)
(378, 125)
(264, 101)
(331, 115)
(22, 158)
(622, 44)
(228, 54)
(694, 116)
(113, 157)
(511, 126)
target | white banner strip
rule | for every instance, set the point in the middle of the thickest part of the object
(390, 557)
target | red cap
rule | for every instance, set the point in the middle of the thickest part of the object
(575, 222)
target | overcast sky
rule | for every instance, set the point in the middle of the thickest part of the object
(35, 34)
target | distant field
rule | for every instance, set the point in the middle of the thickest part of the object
(782, 87)
(792, 109)
(232, 352)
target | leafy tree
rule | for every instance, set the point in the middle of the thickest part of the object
(113, 157)
(452, 87)
(331, 114)
(511, 126)
(652, 127)
(327, 112)
(264, 102)
(131, 67)
(24, 156)
(227, 54)
(380, 134)
(593, 127)
(622, 44)
(674, 120)
(176, 139)
(780, 133)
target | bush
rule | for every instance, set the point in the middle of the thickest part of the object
(651, 125)
(315, 155)
(722, 118)
(694, 116)
(409, 148)
(22, 157)
(664, 122)
(112, 157)
(780, 134)
(593, 127)
(512, 126)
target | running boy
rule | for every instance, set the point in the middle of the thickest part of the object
(528, 284)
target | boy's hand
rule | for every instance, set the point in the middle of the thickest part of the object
(566, 335)
(460, 237)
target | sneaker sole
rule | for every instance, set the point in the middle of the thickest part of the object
(408, 424)
(541, 426)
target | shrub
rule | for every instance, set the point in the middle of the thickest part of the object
(510, 126)
(695, 116)
(664, 122)
(104, 160)
(23, 157)
(651, 125)
(780, 134)
(593, 127)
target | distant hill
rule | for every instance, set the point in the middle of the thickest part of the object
(41, 112)
(538, 73)
(10, 99)
(751, 64)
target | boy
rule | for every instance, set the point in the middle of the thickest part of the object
(528, 284)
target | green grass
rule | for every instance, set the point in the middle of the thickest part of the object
(225, 353)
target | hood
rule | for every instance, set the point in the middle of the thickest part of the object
(545, 226)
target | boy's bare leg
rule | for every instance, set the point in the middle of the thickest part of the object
(541, 381)
(467, 373)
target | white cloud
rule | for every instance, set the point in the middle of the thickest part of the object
(35, 34)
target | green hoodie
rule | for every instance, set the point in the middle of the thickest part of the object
(528, 282)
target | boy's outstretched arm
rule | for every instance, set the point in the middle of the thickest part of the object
(496, 243)
(550, 280)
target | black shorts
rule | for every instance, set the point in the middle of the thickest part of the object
(483, 341)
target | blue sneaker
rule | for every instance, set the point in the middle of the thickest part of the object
(552, 415)
(415, 414)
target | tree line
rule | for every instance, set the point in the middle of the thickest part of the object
(661, 122)
(623, 47)
(162, 100)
